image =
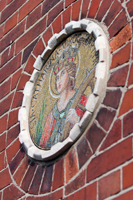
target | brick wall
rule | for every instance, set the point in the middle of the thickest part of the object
(104, 168)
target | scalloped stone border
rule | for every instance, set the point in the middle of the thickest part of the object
(101, 45)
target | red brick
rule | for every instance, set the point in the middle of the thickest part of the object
(95, 136)
(109, 185)
(78, 195)
(12, 134)
(84, 152)
(10, 67)
(66, 16)
(71, 164)
(2, 142)
(3, 121)
(54, 13)
(5, 105)
(28, 51)
(3, 163)
(118, 78)
(5, 88)
(103, 115)
(15, 78)
(110, 159)
(68, 2)
(91, 191)
(24, 78)
(47, 180)
(27, 8)
(33, 17)
(7, 55)
(34, 188)
(113, 136)
(114, 10)
(9, 10)
(57, 27)
(127, 176)
(29, 67)
(39, 48)
(130, 79)
(2, 5)
(17, 101)
(28, 177)
(118, 24)
(127, 124)
(30, 35)
(93, 8)
(126, 196)
(47, 35)
(129, 7)
(122, 56)
(12, 36)
(103, 9)
(127, 102)
(12, 150)
(5, 177)
(123, 36)
(18, 176)
(85, 8)
(76, 10)
(12, 192)
(77, 183)
(47, 5)
(9, 1)
(13, 118)
(2, 30)
(58, 172)
(10, 23)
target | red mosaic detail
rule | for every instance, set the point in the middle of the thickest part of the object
(5, 177)
(84, 8)
(2, 142)
(127, 175)
(66, 16)
(29, 67)
(57, 27)
(104, 184)
(127, 124)
(105, 162)
(113, 136)
(130, 79)
(93, 8)
(47, 35)
(3, 121)
(39, 48)
(12, 192)
(15, 78)
(103, 9)
(76, 10)
(95, 135)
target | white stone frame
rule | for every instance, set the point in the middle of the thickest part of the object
(101, 45)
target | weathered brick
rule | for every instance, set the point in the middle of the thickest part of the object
(76, 10)
(39, 48)
(33, 17)
(29, 67)
(118, 24)
(10, 23)
(123, 36)
(13, 118)
(77, 195)
(114, 10)
(9, 10)
(12, 192)
(95, 135)
(84, 152)
(122, 56)
(24, 78)
(47, 180)
(127, 102)
(5, 177)
(5, 88)
(3, 163)
(103, 9)
(34, 188)
(93, 8)
(30, 35)
(85, 8)
(18, 176)
(2, 5)
(71, 164)
(58, 172)
(47, 35)
(57, 26)
(2, 30)
(129, 7)
(112, 98)
(3, 121)
(10, 67)
(113, 136)
(127, 175)
(103, 115)
(7, 55)
(77, 183)
(17, 101)
(105, 162)
(2, 142)
(130, 79)
(68, 2)
(48, 5)
(109, 185)
(12, 134)
(127, 124)
(8, 1)
(66, 16)
(27, 8)
(91, 191)
(5, 105)
(15, 78)
(54, 13)
(125, 196)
